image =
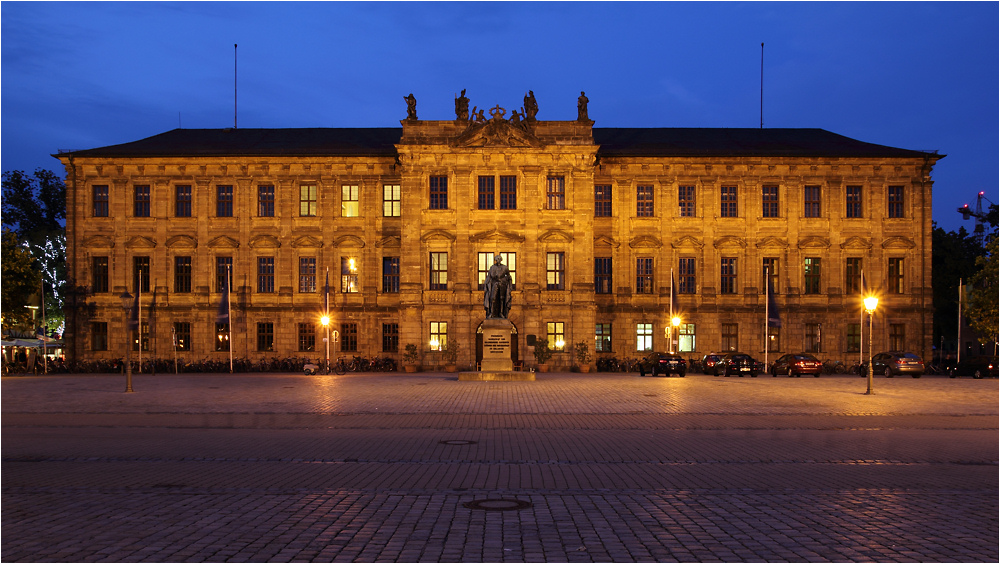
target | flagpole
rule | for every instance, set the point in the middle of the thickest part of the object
(670, 323)
(958, 343)
(861, 348)
(767, 312)
(138, 318)
(229, 312)
(45, 349)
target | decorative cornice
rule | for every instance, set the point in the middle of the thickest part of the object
(264, 242)
(898, 243)
(555, 236)
(605, 240)
(223, 241)
(392, 242)
(496, 235)
(99, 242)
(645, 242)
(772, 242)
(730, 241)
(687, 241)
(140, 242)
(856, 243)
(349, 241)
(182, 242)
(814, 242)
(308, 242)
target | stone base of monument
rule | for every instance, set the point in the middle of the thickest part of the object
(496, 364)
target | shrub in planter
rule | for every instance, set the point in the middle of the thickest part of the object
(583, 356)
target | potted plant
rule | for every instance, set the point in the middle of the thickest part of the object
(583, 356)
(410, 358)
(542, 354)
(451, 355)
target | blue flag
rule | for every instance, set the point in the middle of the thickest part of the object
(773, 317)
(223, 315)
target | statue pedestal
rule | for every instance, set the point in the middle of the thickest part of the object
(497, 364)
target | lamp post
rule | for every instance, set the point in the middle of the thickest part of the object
(871, 302)
(325, 321)
(127, 307)
(675, 323)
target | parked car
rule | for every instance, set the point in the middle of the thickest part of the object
(797, 365)
(740, 364)
(893, 363)
(977, 367)
(709, 361)
(663, 363)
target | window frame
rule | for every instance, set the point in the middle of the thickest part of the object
(349, 280)
(686, 201)
(221, 264)
(686, 337)
(895, 208)
(727, 275)
(687, 268)
(438, 262)
(508, 192)
(349, 337)
(265, 275)
(265, 200)
(812, 201)
(182, 274)
(555, 192)
(438, 192)
(769, 202)
(487, 193)
(729, 336)
(555, 331)
(602, 337)
(350, 200)
(853, 200)
(812, 272)
(438, 334)
(98, 335)
(141, 264)
(100, 274)
(183, 200)
(265, 336)
(643, 337)
(141, 200)
(644, 275)
(729, 201)
(769, 269)
(182, 336)
(555, 271)
(602, 200)
(390, 275)
(896, 274)
(644, 200)
(224, 195)
(307, 275)
(306, 337)
(391, 200)
(603, 275)
(853, 266)
(101, 196)
(390, 337)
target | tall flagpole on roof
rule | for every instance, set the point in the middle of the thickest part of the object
(235, 67)
(229, 314)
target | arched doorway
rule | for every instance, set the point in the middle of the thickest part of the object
(514, 342)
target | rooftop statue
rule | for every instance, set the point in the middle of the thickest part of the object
(411, 107)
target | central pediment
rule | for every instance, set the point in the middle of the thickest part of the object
(497, 132)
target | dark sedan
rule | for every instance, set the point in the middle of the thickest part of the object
(977, 367)
(893, 363)
(740, 364)
(709, 362)
(797, 365)
(663, 363)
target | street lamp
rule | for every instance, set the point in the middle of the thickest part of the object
(675, 322)
(871, 302)
(325, 321)
(127, 307)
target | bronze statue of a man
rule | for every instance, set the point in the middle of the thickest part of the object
(496, 298)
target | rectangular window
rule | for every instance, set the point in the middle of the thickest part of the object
(685, 201)
(439, 335)
(390, 275)
(439, 271)
(508, 192)
(98, 336)
(141, 340)
(895, 276)
(140, 274)
(730, 337)
(224, 201)
(644, 337)
(687, 282)
(852, 276)
(896, 203)
(602, 337)
(685, 337)
(439, 192)
(769, 269)
(182, 200)
(307, 200)
(728, 200)
(814, 337)
(101, 203)
(265, 200)
(812, 272)
(769, 201)
(556, 334)
(350, 201)
(810, 201)
(486, 261)
(602, 200)
(853, 194)
(555, 193)
(141, 200)
(487, 192)
(349, 275)
(602, 275)
(265, 337)
(221, 337)
(223, 268)
(644, 201)
(182, 336)
(390, 337)
(307, 274)
(182, 274)
(727, 283)
(644, 275)
(391, 203)
(773, 339)
(265, 275)
(307, 337)
(897, 337)
(349, 337)
(853, 337)
(99, 275)
(555, 271)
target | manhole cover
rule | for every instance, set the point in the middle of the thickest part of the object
(457, 442)
(650, 395)
(497, 504)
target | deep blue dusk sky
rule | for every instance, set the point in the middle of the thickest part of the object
(919, 75)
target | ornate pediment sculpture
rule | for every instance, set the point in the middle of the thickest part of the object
(497, 131)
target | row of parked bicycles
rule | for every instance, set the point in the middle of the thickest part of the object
(162, 365)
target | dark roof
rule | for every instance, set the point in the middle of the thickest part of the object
(613, 141)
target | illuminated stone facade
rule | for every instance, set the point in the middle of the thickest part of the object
(594, 223)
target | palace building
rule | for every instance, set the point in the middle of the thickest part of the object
(604, 230)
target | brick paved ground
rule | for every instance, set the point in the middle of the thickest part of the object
(597, 467)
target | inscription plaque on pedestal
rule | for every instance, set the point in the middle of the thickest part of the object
(496, 345)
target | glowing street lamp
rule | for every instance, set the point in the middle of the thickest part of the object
(325, 321)
(871, 302)
(127, 307)
(675, 322)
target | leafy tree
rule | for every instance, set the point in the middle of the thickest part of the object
(984, 292)
(34, 208)
(20, 279)
(953, 257)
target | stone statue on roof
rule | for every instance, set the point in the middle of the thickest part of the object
(581, 107)
(462, 107)
(530, 106)
(411, 107)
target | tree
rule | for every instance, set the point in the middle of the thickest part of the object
(34, 209)
(20, 280)
(953, 257)
(982, 310)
